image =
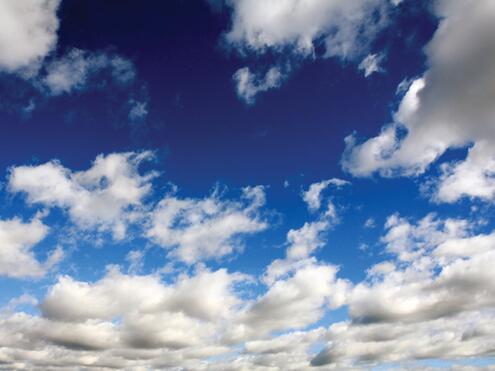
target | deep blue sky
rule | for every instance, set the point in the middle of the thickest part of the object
(204, 135)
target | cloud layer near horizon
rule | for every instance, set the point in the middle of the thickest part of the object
(432, 299)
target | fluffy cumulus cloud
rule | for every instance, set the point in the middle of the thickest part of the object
(201, 229)
(168, 325)
(449, 107)
(432, 300)
(17, 240)
(106, 197)
(345, 29)
(297, 301)
(164, 326)
(28, 33)
(98, 325)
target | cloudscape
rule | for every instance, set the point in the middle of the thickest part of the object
(247, 185)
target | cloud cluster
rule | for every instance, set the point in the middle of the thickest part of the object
(177, 322)
(432, 297)
(114, 194)
(199, 229)
(433, 300)
(98, 325)
(182, 321)
(449, 107)
(106, 197)
(345, 29)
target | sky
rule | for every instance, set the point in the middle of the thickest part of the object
(247, 185)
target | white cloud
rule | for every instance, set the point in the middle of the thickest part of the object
(434, 300)
(107, 196)
(28, 33)
(300, 289)
(17, 240)
(296, 301)
(313, 195)
(201, 229)
(373, 345)
(206, 295)
(248, 84)
(347, 30)
(138, 110)
(303, 242)
(347, 27)
(75, 70)
(450, 106)
(289, 351)
(473, 177)
(371, 64)
(28, 48)
(370, 223)
(99, 324)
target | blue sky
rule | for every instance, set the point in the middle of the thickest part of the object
(247, 185)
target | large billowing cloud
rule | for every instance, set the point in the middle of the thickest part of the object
(450, 106)
(106, 197)
(28, 33)
(122, 320)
